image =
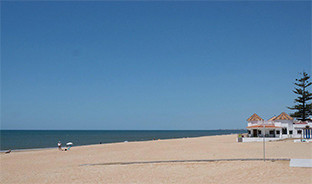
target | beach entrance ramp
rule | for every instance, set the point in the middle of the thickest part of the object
(300, 163)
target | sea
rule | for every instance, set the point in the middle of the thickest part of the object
(38, 139)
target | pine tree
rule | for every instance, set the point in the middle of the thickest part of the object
(302, 107)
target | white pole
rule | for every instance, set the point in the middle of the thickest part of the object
(263, 142)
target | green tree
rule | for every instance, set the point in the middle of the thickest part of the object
(302, 108)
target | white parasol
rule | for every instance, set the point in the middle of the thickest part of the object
(69, 144)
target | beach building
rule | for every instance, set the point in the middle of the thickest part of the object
(278, 127)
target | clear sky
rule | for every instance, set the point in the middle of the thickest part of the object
(150, 65)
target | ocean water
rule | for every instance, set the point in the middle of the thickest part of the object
(30, 139)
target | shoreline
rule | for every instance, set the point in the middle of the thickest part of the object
(48, 148)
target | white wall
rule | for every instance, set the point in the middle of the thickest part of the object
(253, 122)
(285, 124)
(259, 139)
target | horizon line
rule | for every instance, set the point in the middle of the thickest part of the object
(124, 129)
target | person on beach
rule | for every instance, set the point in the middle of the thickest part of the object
(59, 145)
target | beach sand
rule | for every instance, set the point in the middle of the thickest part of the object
(53, 166)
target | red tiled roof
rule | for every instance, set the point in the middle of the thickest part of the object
(261, 126)
(283, 116)
(254, 117)
(301, 123)
(272, 119)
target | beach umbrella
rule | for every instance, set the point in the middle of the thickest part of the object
(69, 144)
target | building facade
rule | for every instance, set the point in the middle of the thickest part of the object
(281, 126)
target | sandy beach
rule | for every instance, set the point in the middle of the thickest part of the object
(75, 166)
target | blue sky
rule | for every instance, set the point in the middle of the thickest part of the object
(149, 65)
